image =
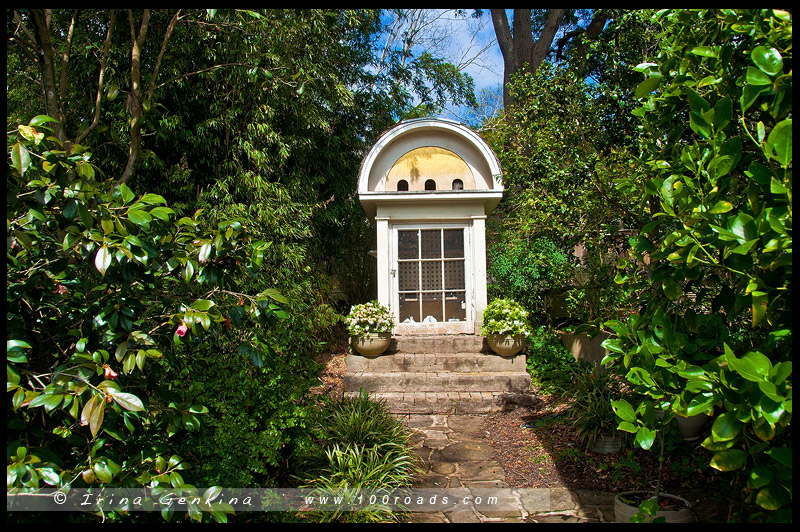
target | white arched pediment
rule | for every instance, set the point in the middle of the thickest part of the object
(433, 150)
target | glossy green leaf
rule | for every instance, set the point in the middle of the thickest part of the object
(721, 207)
(782, 455)
(139, 216)
(102, 472)
(127, 401)
(672, 288)
(20, 158)
(93, 412)
(647, 86)
(729, 460)
(645, 438)
(772, 497)
(726, 426)
(705, 51)
(757, 77)
(769, 60)
(102, 260)
(779, 142)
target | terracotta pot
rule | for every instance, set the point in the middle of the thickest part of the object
(372, 344)
(506, 345)
(624, 511)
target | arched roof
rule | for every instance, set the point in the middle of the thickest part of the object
(411, 135)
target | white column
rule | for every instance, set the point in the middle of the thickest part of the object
(479, 268)
(384, 279)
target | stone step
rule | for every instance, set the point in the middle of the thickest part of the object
(434, 362)
(428, 381)
(436, 402)
(437, 344)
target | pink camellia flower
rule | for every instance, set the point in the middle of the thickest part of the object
(182, 330)
(110, 373)
(60, 289)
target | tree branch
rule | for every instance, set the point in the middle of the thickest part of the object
(135, 97)
(167, 35)
(62, 88)
(542, 46)
(100, 79)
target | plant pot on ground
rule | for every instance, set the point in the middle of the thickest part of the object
(505, 326)
(506, 344)
(649, 506)
(592, 415)
(692, 427)
(370, 327)
(645, 507)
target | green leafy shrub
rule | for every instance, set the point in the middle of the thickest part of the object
(716, 117)
(505, 316)
(548, 361)
(593, 391)
(364, 448)
(527, 271)
(107, 292)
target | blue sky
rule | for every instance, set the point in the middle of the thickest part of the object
(464, 41)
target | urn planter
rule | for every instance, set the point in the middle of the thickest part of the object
(607, 444)
(674, 509)
(506, 345)
(692, 427)
(373, 344)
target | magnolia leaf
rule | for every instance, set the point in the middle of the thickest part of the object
(127, 401)
(779, 142)
(20, 158)
(103, 260)
(726, 427)
(93, 412)
(769, 60)
(647, 86)
(672, 288)
(729, 460)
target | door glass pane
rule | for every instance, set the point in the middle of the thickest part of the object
(455, 307)
(431, 275)
(409, 308)
(453, 243)
(408, 276)
(454, 275)
(432, 244)
(432, 306)
(407, 245)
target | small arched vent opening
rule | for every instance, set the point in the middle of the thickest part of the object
(402, 186)
(430, 184)
(458, 184)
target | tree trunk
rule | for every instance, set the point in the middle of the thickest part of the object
(519, 49)
(48, 69)
(135, 98)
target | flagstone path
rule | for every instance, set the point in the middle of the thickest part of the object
(458, 463)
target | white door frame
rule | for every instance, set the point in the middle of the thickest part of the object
(461, 327)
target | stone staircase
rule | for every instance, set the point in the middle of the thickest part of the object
(453, 374)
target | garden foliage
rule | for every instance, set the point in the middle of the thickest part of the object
(108, 292)
(365, 449)
(505, 316)
(716, 336)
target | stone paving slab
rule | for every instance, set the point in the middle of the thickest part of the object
(459, 464)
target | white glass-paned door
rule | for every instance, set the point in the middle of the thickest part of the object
(431, 275)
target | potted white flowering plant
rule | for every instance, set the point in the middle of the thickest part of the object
(370, 326)
(505, 326)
